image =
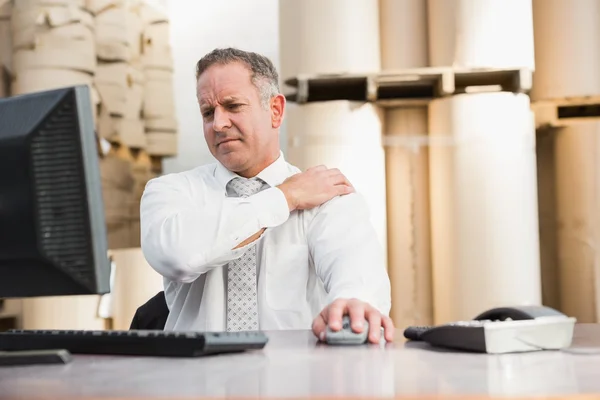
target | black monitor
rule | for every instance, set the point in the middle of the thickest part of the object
(52, 227)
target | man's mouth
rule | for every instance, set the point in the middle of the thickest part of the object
(226, 141)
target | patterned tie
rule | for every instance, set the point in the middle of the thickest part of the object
(242, 303)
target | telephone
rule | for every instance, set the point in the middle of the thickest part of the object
(501, 330)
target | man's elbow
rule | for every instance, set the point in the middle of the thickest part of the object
(171, 265)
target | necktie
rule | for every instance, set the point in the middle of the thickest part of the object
(242, 299)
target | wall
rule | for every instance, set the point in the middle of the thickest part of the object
(196, 28)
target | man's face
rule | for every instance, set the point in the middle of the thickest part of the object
(239, 131)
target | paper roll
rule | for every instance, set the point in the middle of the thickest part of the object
(135, 283)
(161, 143)
(330, 36)
(62, 312)
(409, 249)
(344, 135)
(481, 33)
(577, 151)
(567, 49)
(403, 34)
(484, 214)
(546, 178)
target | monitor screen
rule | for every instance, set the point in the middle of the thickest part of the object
(52, 227)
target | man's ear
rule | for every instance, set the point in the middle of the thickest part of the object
(277, 109)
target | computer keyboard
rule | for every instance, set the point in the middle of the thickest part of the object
(140, 343)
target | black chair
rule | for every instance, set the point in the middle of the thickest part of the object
(152, 315)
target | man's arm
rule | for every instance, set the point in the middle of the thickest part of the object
(182, 240)
(348, 258)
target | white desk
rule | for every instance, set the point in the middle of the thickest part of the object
(293, 364)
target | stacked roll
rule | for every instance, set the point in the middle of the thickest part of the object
(119, 78)
(567, 56)
(53, 46)
(404, 45)
(5, 47)
(320, 37)
(159, 103)
(484, 215)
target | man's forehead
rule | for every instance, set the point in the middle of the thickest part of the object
(223, 85)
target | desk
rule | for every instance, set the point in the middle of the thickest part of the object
(294, 364)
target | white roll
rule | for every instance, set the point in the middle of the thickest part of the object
(577, 152)
(345, 135)
(409, 244)
(481, 33)
(485, 239)
(567, 49)
(403, 34)
(333, 36)
(135, 283)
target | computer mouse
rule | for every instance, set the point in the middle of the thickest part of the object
(346, 336)
(517, 313)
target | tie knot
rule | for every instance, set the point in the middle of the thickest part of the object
(244, 187)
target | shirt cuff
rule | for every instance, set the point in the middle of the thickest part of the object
(270, 209)
(271, 206)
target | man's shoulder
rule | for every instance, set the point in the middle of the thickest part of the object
(192, 177)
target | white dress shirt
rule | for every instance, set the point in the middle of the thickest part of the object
(306, 259)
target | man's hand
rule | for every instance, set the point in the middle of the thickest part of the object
(358, 311)
(315, 186)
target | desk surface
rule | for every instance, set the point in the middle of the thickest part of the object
(294, 365)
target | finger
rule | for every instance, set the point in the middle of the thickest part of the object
(374, 318)
(319, 326)
(333, 172)
(334, 314)
(339, 179)
(318, 168)
(389, 329)
(356, 312)
(341, 190)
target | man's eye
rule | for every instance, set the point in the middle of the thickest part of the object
(207, 114)
(234, 106)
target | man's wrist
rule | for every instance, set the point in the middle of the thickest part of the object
(289, 197)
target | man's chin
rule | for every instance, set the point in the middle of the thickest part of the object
(233, 161)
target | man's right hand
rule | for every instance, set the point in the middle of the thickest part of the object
(314, 187)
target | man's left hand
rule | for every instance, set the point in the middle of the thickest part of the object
(358, 311)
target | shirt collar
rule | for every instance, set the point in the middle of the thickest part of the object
(273, 175)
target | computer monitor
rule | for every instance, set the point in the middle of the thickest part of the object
(52, 227)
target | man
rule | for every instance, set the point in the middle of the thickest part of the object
(251, 242)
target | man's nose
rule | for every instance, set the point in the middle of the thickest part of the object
(220, 120)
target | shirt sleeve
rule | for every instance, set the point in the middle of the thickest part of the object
(184, 236)
(347, 254)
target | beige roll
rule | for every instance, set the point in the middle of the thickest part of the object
(62, 312)
(135, 283)
(409, 250)
(345, 135)
(577, 151)
(159, 143)
(481, 33)
(333, 36)
(567, 49)
(5, 48)
(546, 179)
(484, 214)
(403, 34)
(35, 80)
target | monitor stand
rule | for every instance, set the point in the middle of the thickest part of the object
(34, 357)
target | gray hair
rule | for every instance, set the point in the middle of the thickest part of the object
(263, 73)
